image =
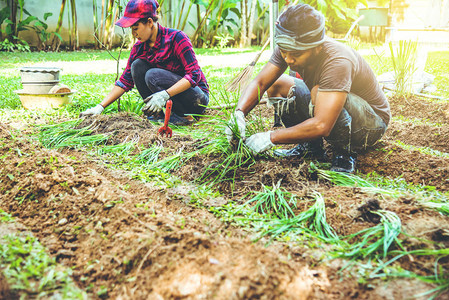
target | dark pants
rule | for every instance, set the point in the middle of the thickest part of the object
(356, 128)
(151, 80)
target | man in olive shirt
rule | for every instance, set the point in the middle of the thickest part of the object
(338, 97)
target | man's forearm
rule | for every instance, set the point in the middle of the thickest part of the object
(250, 97)
(306, 131)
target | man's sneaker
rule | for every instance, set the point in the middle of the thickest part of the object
(344, 162)
(307, 149)
(180, 121)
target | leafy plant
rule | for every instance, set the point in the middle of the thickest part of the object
(223, 40)
(20, 45)
(44, 37)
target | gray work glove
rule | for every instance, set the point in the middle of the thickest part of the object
(96, 110)
(155, 103)
(259, 142)
(237, 122)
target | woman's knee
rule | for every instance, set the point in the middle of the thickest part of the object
(138, 67)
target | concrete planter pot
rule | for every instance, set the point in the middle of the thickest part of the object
(39, 80)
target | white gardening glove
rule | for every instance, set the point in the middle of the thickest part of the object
(155, 102)
(237, 119)
(259, 142)
(96, 110)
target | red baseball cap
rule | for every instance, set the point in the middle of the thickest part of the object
(136, 10)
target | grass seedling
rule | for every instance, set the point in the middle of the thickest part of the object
(374, 240)
(64, 135)
(274, 200)
(312, 221)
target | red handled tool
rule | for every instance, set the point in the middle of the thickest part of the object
(165, 130)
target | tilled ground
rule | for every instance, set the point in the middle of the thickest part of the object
(145, 241)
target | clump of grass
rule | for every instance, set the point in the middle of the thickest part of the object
(130, 104)
(274, 200)
(65, 135)
(376, 239)
(230, 159)
(403, 58)
(312, 221)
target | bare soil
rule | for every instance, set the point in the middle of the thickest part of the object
(145, 241)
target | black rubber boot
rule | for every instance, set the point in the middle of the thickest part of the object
(344, 162)
(312, 149)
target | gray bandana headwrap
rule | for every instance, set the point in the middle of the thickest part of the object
(290, 41)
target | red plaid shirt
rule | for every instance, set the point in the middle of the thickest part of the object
(172, 51)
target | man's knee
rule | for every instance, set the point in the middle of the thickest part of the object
(313, 94)
(281, 87)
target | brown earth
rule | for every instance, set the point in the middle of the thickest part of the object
(143, 240)
(421, 108)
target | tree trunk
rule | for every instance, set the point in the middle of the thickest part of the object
(13, 17)
(74, 31)
(251, 23)
(59, 25)
(244, 22)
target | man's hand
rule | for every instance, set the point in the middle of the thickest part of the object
(236, 123)
(155, 102)
(96, 110)
(259, 142)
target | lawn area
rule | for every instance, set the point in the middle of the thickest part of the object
(104, 207)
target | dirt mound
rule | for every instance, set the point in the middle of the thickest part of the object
(127, 127)
(142, 241)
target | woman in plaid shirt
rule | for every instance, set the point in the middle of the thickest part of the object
(162, 65)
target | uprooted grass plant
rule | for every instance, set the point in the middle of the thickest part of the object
(311, 221)
(66, 135)
(374, 240)
(274, 201)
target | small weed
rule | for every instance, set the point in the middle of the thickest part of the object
(30, 270)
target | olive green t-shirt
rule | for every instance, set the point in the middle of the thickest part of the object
(339, 68)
